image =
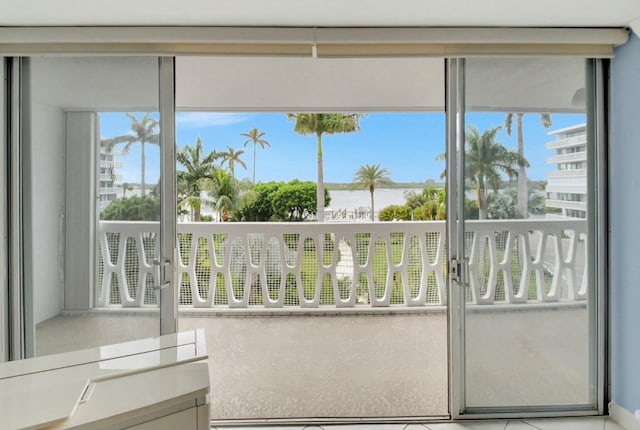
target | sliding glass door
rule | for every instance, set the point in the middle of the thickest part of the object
(525, 286)
(516, 227)
(96, 200)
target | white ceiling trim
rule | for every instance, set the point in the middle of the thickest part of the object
(311, 41)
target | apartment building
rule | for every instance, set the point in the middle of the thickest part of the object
(567, 186)
(108, 191)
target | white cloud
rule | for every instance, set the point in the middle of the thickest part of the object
(208, 119)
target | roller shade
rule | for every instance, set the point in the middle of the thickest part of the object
(468, 42)
(320, 42)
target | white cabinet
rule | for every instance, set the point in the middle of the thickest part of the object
(187, 419)
(152, 383)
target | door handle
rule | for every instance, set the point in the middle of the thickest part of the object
(161, 263)
(162, 286)
(459, 271)
(161, 266)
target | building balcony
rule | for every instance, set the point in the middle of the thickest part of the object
(567, 158)
(111, 163)
(566, 204)
(109, 177)
(567, 142)
(110, 190)
(572, 187)
(567, 174)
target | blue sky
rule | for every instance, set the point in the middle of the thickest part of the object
(405, 143)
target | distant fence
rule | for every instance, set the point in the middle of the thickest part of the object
(344, 265)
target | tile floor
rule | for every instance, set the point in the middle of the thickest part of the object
(590, 423)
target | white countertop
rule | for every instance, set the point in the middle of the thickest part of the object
(78, 388)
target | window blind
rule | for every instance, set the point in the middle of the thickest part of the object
(320, 42)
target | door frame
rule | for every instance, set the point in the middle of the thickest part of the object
(168, 196)
(454, 112)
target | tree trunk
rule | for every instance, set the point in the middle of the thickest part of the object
(482, 203)
(142, 164)
(371, 189)
(523, 192)
(320, 187)
(254, 163)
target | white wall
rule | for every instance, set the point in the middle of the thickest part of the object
(624, 153)
(47, 204)
(59, 85)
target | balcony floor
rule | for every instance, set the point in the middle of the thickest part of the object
(362, 365)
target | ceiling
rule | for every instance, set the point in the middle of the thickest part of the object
(326, 13)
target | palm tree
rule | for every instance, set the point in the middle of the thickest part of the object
(199, 172)
(523, 192)
(319, 124)
(144, 131)
(255, 137)
(225, 191)
(370, 176)
(486, 160)
(231, 157)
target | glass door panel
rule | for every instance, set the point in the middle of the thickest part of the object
(528, 320)
(92, 200)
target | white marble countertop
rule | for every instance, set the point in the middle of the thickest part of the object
(77, 388)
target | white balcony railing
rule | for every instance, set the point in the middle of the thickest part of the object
(567, 158)
(566, 204)
(567, 142)
(310, 265)
(567, 174)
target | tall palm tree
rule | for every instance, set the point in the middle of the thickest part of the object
(486, 160)
(144, 130)
(319, 124)
(369, 176)
(231, 157)
(523, 192)
(255, 137)
(199, 172)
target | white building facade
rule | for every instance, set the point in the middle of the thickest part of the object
(107, 189)
(567, 186)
